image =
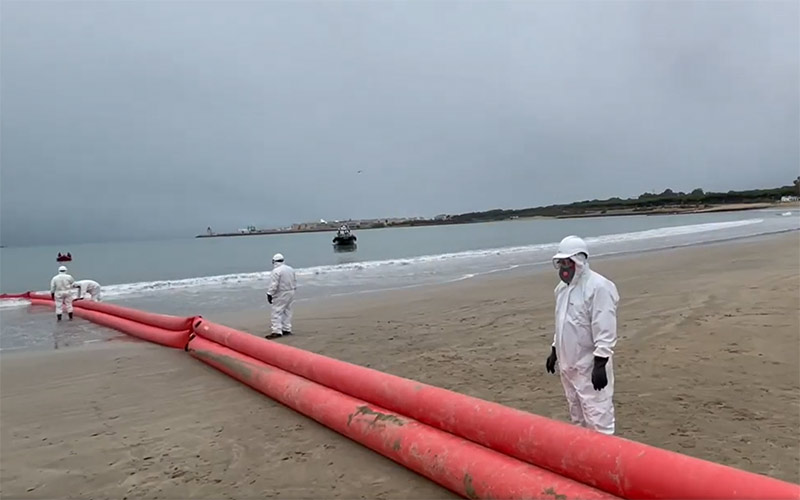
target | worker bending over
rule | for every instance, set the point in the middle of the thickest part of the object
(88, 290)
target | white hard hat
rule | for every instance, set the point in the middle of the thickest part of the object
(570, 247)
(62, 269)
(277, 257)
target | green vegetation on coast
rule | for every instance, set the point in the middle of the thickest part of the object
(666, 202)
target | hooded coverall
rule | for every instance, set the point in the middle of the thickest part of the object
(585, 327)
(90, 287)
(61, 287)
(282, 287)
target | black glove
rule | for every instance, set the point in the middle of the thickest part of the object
(269, 298)
(599, 378)
(53, 296)
(551, 361)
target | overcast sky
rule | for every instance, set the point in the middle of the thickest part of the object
(140, 119)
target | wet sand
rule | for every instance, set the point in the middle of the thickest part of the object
(708, 364)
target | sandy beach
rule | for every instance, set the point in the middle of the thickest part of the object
(707, 364)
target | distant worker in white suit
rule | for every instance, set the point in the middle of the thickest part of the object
(88, 290)
(585, 337)
(61, 292)
(280, 294)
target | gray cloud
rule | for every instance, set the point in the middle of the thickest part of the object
(146, 119)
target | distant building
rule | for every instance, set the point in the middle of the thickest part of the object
(789, 199)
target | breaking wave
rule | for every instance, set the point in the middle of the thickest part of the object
(421, 264)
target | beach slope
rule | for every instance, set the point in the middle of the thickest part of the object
(707, 364)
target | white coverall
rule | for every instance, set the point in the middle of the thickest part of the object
(61, 286)
(282, 287)
(90, 287)
(585, 327)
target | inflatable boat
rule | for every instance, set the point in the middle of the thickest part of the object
(344, 238)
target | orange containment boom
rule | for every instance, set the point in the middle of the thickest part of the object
(169, 338)
(466, 468)
(618, 466)
(164, 321)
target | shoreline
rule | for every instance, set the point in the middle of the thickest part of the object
(534, 268)
(734, 207)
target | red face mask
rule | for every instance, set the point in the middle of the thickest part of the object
(566, 270)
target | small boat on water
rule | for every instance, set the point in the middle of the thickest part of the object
(344, 238)
(64, 257)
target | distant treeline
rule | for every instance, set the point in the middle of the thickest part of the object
(644, 202)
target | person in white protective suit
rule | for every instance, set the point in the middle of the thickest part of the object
(61, 292)
(585, 337)
(280, 294)
(88, 290)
